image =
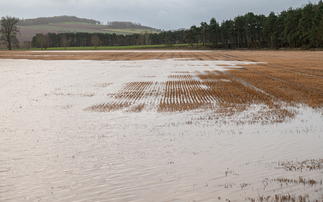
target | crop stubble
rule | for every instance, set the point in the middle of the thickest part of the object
(281, 78)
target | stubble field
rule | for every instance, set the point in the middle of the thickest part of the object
(161, 125)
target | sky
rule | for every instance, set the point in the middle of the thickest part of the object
(161, 14)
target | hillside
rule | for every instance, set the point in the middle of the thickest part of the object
(63, 24)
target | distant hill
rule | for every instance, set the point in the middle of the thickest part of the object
(56, 19)
(63, 24)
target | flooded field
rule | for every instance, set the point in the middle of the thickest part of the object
(161, 126)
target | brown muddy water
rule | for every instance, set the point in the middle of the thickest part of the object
(55, 148)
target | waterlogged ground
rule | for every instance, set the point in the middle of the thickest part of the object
(118, 131)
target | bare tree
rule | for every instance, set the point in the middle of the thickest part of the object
(64, 41)
(147, 38)
(95, 40)
(142, 38)
(9, 30)
(47, 41)
(27, 44)
(40, 38)
(43, 41)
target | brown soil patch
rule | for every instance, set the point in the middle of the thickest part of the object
(307, 165)
(281, 198)
(106, 107)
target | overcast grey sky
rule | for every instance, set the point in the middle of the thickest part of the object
(162, 14)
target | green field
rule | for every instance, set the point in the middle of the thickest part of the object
(130, 31)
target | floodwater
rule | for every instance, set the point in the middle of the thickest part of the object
(54, 149)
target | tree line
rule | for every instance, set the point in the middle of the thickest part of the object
(294, 28)
(126, 24)
(81, 39)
